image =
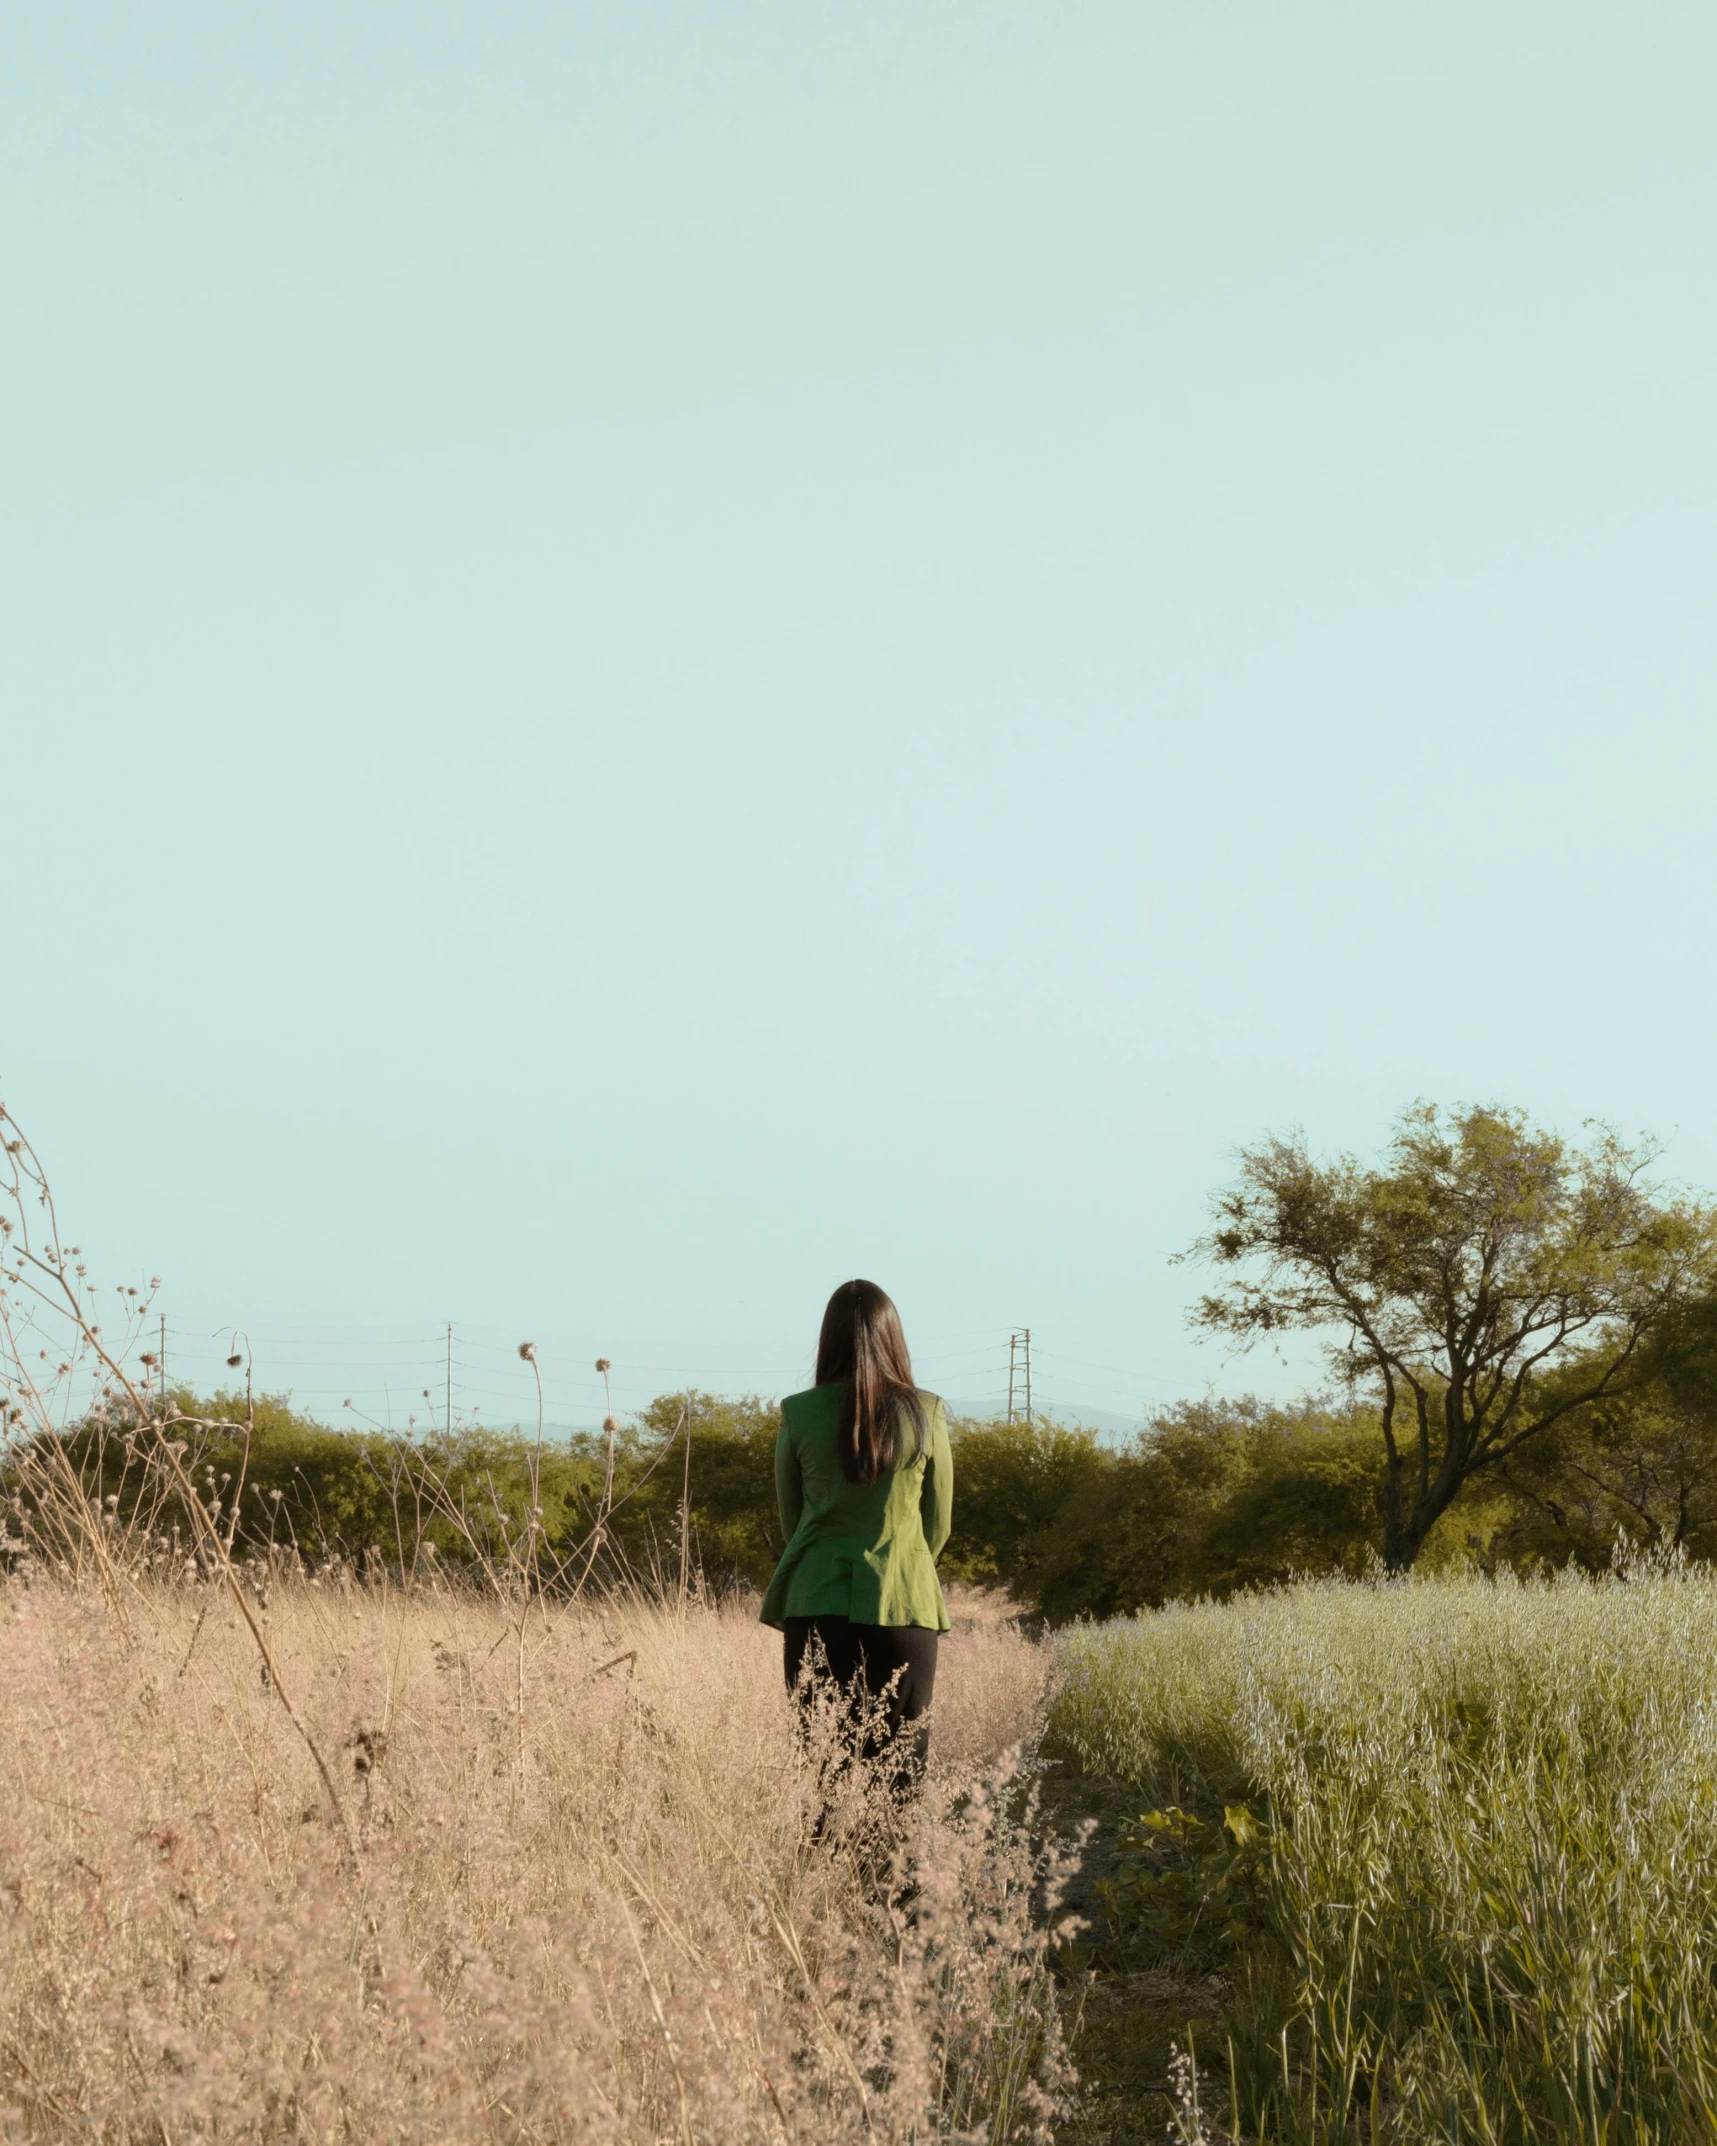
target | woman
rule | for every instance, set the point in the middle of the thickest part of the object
(865, 1482)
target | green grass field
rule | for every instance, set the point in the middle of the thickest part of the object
(1446, 1850)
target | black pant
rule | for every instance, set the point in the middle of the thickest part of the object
(886, 1675)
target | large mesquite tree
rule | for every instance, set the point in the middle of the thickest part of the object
(1488, 1281)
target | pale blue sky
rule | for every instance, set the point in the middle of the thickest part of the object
(652, 655)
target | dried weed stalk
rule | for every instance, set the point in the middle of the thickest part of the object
(48, 1299)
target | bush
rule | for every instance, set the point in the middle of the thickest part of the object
(735, 1531)
(1210, 1498)
(1011, 1480)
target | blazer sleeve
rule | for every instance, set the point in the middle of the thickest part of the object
(789, 1484)
(936, 1499)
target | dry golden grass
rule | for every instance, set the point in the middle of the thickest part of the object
(598, 1918)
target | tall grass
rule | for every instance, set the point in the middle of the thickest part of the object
(603, 1919)
(1490, 1878)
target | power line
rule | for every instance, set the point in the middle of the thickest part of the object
(473, 1380)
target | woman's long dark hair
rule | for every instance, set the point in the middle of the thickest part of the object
(862, 1344)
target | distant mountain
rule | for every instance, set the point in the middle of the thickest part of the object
(1095, 1419)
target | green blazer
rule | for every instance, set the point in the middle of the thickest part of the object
(866, 1551)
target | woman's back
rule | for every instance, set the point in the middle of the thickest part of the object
(860, 1550)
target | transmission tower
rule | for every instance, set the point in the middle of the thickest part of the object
(1019, 1375)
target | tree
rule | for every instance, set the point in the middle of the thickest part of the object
(1643, 1465)
(1460, 1282)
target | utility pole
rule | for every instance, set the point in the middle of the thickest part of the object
(450, 1378)
(1019, 1375)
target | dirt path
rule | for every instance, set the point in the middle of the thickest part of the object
(1130, 2009)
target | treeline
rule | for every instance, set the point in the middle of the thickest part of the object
(1211, 1497)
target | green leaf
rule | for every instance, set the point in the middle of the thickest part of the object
(1240, 1822)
